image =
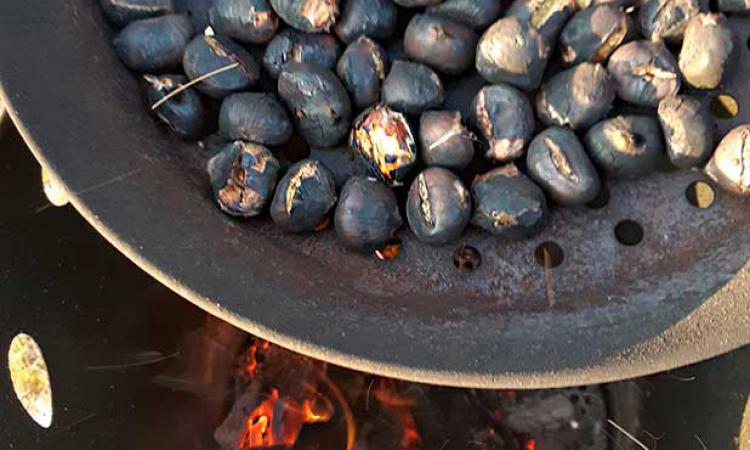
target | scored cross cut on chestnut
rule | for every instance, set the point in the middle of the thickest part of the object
(452, 113)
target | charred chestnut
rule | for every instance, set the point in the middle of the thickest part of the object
(734, 6)
(666, 19)
(122, 12)
(644, 72)
(154, 45)
(196, 10)
(304, 197)
(559, 164)
(547, 16)
(626, 146)
(383, 138)
(688, 130)
(444, 140)
(416, 3)
(292, 46)
(512, 51)
(367, 215)
(706, 51)
(412, 87)
(248, 21)
(505, 118)
(438, 207)
(255, 117)
(577, 97)
(594, 33)
(207, 53)
(728, 165)
(318, 102)
(508, 204)
(375, 19)
(342, 162)
(307, 15)
(362, 68)
(441, 43)
(243, 176)
(183, 112)
(478, 14)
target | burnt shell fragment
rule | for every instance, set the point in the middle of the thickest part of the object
(729, 166)
(666, 19)
(444, 140)
(441, 43)
(255, 117)
(594, 33)
(307, 15)
(362, 69)
(734, 6)
(577, 97)
(412, 88)
(367, 215)
(706, 51)
(248, 21)
(318, 102)
(304, 197)
(383, 139)
(688, 130)
(122, 12)
(183, 112)
(546, 16)
(512, 51)
(626, 146)
(505, 119)
(243, 176)
(292, 46)
(508, 204)
(557, 161)
(375, 19)
(154, 45)
(478, 14)
(342, 162)
(207, 53)
(644, 72)
(438, 207)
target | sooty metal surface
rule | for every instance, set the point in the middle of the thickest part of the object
(608, 312)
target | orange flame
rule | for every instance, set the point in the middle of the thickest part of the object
(401, 409)
(531, 444)
(252, 356)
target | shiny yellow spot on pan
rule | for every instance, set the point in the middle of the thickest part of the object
(28, 373)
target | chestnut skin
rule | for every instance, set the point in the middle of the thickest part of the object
(304, 197)
(362, 68)
(732, 156)
(412, 88)
(444, 140)
(154, 45)
(441, 43)
(438, 206)
(207, 53)
(310, 16)
(255, 117)
(629, 146)
(184, 113)
(688, 130)
(644, 73)
(291, 45)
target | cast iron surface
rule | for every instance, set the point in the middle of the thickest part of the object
(609, 312)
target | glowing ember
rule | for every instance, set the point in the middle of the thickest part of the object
(401, 408)
(531, 445)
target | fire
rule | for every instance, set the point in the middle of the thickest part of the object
(531, 444)
(252, 356)
(401, 408)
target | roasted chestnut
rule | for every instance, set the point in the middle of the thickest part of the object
(444, 140)
(307, 15)
(734, 6)
(547, 16)
(342, 162)
(416, 3)
(412, 88)
(292, 46)
(706, 51)
(594, 33)
(478, 14)
(318, 102)
(626, 146)
(438, 207)
(688, 130)
(122, 12)
(183, 112)
(243, 176)
(508, 204)
(557, 161)
(154, 45)
(383, 139)
(248, 21)
(505, 118)
(255, 117)
(728, 166)
(367, 215)
(375, 19)
(644, 72)
(304, 197)
(196, 10)
(441, 43)
(577, 97)
(362, 69)
(666, 19)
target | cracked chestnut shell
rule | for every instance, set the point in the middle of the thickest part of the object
(512, 51)
(362, 69)
(412, 88)
(557, 161)
(376, 19)
(441, 43)
(155, 44)
(547, 16)
(508, 204)
(478, 14)
(310, 16)
(666, 19)
(707, 50)
(505, 118)
(444, 140)
(183, 112)
(206, 53)
(248, 21)
(318, 102)
(688, 130)
(122, 12)
(438, 207)
(304, 197)
(629, 146)
(255, 117)
(730, 164)
(243, 176)
(644, 72)
(594, 33)
(383, 139)
(367, 215)
(293, 46)
(577, 97)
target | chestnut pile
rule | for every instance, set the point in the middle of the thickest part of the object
(363, 82)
